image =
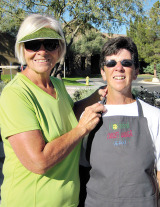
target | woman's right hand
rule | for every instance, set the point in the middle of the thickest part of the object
(91, 117)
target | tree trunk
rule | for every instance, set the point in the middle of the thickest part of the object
(57, 72)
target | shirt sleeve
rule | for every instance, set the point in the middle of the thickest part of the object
(16, 112)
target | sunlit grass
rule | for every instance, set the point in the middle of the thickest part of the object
(73, 81)
(7, 77)
(145, 75)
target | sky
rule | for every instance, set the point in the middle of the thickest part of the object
(148, 6)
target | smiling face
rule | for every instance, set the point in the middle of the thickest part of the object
(119, 78)
(41, 61)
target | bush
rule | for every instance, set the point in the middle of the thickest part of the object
(151, 98)
(150, 69)
(2, 84)
(81, 94)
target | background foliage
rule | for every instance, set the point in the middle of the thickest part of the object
(89, 43)
(105, 14)
(145, 31)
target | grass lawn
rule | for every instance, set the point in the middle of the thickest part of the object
(6, 78)
(67, 81)
(73, 81)
(147, 77)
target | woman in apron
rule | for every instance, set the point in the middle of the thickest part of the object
(123, 150)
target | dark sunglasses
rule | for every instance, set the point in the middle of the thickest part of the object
(112, 63)
(35, 45)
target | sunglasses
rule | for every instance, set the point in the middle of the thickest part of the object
(48, 44)
(112, 63)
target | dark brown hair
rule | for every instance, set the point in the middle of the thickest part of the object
(114, 45)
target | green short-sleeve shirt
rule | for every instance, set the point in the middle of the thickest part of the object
(24, 107)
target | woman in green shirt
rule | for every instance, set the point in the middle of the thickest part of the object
(39, 129)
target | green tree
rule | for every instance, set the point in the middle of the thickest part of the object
(74, 14)
(105, 14)
(153, 34)
(89, 43)
(145, 31)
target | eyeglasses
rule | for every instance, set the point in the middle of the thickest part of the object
(112, 63)
(35, 45)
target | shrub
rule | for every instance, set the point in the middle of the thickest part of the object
(150, 69)
(2, 84)
(81, 94)
(151, 98)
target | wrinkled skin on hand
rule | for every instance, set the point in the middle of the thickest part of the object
(91, 117)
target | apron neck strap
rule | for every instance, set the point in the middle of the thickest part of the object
(140, 111)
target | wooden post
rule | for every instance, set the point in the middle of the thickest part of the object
(155, 71)
(11, 70)
(155, 79)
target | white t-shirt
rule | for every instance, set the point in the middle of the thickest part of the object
(150, 112)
